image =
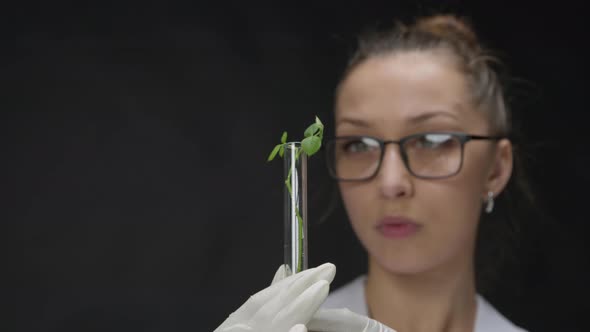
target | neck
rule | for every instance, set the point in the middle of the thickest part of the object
(442, 300)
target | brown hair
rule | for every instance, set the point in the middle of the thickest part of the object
(455, 36)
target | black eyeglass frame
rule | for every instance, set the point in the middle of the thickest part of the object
(462, 137)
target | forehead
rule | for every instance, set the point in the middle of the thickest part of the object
(394, 89)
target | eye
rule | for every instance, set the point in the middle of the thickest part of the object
(359, 145)
(434, 141)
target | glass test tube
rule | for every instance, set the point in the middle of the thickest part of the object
(295, 208)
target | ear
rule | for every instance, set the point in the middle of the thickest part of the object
(501, 168)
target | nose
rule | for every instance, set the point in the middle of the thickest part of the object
(394, 178)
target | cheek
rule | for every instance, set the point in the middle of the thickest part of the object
(456, 202)
(359, 201)
(453, 210)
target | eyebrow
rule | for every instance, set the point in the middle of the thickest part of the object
(412, 120)
(353, 121)
(429, 115)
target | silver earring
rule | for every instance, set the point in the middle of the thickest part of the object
(490, 202)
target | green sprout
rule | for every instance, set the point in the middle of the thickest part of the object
(311, 143)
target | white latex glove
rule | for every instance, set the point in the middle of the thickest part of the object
(344, 320)
(336, 320)
(287, 305)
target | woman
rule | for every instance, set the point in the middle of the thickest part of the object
(421, 149)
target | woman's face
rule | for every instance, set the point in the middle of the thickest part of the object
(408, 224)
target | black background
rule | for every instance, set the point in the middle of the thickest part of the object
(137, 196)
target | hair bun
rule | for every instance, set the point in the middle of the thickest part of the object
(449, 27)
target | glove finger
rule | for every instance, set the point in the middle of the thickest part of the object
(344, 320)
(280, 274)
(271, 296)
(234, 328)
(337, 320)
(298, 328)
(289, 318)
(307, 278)
(245, 312)
(303, 306)
(292, 287)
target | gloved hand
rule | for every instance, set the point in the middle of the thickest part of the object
(335, 320)
(287, 305)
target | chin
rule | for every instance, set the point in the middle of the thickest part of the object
(404, 267)
(404, 263)
(413, 261)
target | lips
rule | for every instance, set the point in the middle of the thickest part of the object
(397, 227)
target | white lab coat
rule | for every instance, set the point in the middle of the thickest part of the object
(352, 296)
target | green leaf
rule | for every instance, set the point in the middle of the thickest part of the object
(317, 120)
(274, 152)
(311, 130)
(316, 129)
(284, 137)
(311, 145)
(282, 150)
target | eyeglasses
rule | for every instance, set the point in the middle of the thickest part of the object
(432, 155)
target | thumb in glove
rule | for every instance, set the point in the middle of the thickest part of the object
(344, 320)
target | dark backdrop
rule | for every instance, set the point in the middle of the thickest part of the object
(137, 196)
